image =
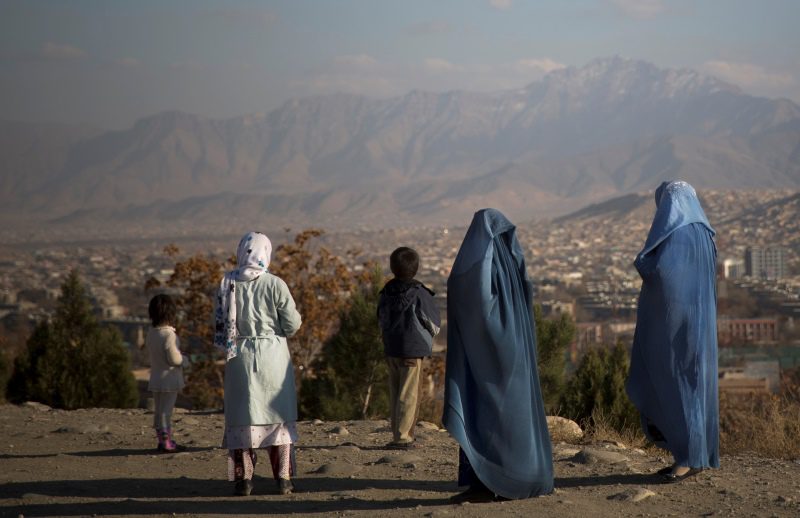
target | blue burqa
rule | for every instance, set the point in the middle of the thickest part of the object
(493, 401)
(673, 373)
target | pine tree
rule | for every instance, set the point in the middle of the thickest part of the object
(598, 386)
(73, 362)
(351, 373)
(552, 338)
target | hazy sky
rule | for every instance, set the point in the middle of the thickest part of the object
(108, 63)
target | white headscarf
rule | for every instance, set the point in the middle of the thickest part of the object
(252, 260)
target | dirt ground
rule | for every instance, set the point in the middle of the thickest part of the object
(102, 462)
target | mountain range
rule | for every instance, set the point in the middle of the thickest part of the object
(578, 136)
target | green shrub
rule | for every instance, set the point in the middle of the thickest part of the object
(73, 362)
(350, 374)
(552, 338)
(598, 388)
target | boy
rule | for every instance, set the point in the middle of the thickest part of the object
(409, 320)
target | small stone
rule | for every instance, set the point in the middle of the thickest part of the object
(399, 459)
(595, 456)
(41, 407)
(563, 429)
(567, 452)
(341, 469)
(317, 422)
(340, 430)
(634, 494)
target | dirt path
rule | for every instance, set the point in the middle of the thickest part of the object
(102, 462)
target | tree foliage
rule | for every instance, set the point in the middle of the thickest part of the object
(321, 285)
(599, 386)
(350, 379)
(73, 362)
(552, 338)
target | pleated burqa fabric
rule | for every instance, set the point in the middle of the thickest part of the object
(493, 401)
(673, 373)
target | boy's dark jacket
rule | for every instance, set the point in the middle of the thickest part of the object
(408, 318)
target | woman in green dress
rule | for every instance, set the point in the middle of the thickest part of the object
(255, 314)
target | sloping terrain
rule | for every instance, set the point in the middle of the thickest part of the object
(102, 462)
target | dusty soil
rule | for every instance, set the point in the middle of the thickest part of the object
(102, 462)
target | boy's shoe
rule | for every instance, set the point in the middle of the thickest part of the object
(403, 445)
(243, 488)
(285, 486)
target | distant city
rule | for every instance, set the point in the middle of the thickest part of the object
(580, 265)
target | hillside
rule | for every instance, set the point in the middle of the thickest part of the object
(101, 462)
(578, 136)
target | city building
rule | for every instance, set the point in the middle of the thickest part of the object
(735, 331)
(733, 268)
(765, 262)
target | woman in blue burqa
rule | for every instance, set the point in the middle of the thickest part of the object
(673, 372)
(493, 401)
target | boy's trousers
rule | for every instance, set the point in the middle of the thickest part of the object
(404, 375)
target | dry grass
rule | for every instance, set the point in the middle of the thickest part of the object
(430, 409)
(765, 424)
(600, 429)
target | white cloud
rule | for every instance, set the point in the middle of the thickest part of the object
(344, 83)
(428, 28)
(127, 62)
(187, 66)
(748, 75)
(245, 15)
(440, 65)
(640, 9)
(501, 4)
(364, 74)
(544, 65)
(355, 60)
(55, 51)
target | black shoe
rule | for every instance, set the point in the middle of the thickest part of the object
(664, 471)
(243, 488)
(671, 478)
(285, 486)
(474, 495)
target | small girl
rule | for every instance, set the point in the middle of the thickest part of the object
(166, 367)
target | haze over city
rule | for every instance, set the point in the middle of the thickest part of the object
(108, 64)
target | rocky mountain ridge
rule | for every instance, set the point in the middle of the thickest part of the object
(579, 135)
